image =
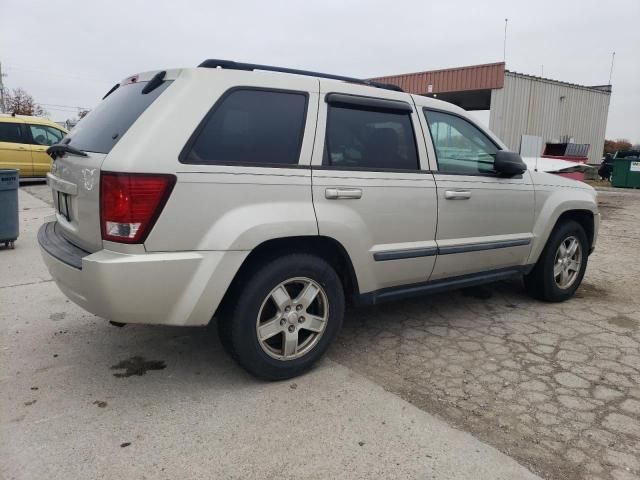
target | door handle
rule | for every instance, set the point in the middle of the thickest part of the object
(457, 194)
(343, 193)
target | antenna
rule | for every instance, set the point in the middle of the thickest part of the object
(504, 47)
(613, 57)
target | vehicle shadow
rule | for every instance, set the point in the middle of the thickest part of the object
(140, 353)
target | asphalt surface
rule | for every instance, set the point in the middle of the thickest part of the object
(82, 399)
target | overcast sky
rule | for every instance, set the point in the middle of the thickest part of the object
(70, 52)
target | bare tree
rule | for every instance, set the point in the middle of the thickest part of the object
(19, 102)
(613, 146)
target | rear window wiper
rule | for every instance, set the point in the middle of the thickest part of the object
(154, 83)
(60, 149)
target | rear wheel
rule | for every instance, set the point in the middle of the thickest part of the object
(562, 264)
(284, 316)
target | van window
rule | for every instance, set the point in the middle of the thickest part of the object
(251, 126)
(105, 125)
(45, 135)
(10, 132)
(370, 139)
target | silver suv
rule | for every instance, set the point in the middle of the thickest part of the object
(270, 197)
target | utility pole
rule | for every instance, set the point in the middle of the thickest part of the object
(613, 57)
(2, 107)
(504, 46)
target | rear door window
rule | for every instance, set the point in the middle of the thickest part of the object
(253, 127)
(11, 132)
(362, 138)
(105, 125)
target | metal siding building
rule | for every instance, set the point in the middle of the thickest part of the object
(519, 104)
(555, 111)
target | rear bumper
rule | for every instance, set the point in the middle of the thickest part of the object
(175, 288)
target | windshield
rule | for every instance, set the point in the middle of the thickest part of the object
(105, 125)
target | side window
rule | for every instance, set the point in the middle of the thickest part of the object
(43, 135)
(460, 146)
(368, 138)
(10, 132)
(252, 126)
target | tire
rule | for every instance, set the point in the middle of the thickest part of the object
(541, 282)
(260, 294)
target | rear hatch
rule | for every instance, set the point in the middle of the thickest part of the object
(75, 177)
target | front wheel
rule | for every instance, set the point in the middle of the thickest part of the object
(562, 264)
(284, 316)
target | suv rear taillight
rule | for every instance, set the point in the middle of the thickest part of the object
(130, 204)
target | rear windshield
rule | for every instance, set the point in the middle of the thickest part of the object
(101, 129)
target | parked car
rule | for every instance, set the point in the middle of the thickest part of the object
(268, 198)
(24, 141)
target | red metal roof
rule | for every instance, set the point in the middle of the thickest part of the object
(474, 77)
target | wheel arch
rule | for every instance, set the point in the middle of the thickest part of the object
(327, 248)
(583, 216)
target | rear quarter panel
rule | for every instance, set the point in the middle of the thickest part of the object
(219, 207)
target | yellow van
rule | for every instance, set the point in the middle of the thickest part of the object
(24, 141)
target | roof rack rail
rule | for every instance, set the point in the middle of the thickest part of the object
(230, 64)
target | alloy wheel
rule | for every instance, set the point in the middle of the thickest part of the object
(568, 261)
(292, 318)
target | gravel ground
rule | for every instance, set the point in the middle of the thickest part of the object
(556, 386)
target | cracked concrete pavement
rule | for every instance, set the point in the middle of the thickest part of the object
(555, 386)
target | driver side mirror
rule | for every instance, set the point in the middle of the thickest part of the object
(508, 163)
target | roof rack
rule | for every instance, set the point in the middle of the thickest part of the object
(230, 64)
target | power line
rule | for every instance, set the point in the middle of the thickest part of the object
(55, 72)
(73, 107)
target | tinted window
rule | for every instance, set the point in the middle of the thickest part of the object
(361, 138)
(460, 146)
(10, 132)
(252, 126)
(44, 135)
(103, 126)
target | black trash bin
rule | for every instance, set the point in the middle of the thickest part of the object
(9, 226)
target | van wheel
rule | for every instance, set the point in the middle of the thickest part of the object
(284, 317)
(562, 264)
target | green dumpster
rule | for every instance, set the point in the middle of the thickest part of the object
(626, 171)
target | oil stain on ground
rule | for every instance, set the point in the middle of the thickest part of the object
(137, 366)
(624, 322)
(57, 316)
